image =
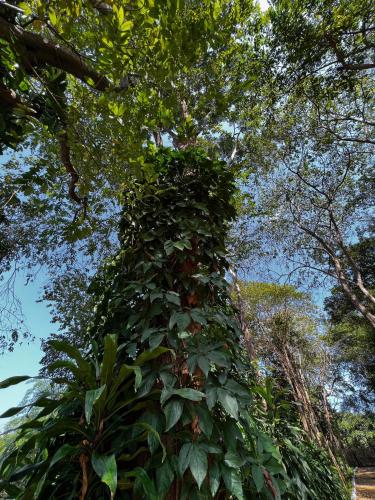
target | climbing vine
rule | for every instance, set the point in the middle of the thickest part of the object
(159, 405)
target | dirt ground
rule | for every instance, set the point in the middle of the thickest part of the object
(365, 483)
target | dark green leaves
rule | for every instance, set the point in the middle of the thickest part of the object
(12, 411)
(106, 468)
(181, 319)
(61, 453)
(185, 393)
(90, 399)
(109, 358)
(173, 411)
(233, 481)
(198, 464)
(194, 457)
(228, 402)
(13, 381)
(258, 478)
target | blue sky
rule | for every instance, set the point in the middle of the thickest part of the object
(24, 360)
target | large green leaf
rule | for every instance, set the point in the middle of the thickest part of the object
(258, 478)
(214, 478)
(173, 297)
(64, 451)
(13, 381)
(198, 464)
(184, 457)
(149, 355)
(106, 468)
(72, 352)
(148, 485)
(219, 358)
(12, 411)
(198, 316)
(187, 393)
(205, 420)
(78, 375)
(233, 459)
(181, 319)
(233, 481)
(109, 358)
(228, 402)
(173, 411)
(91, 398)
(164, 477)
(154, 433)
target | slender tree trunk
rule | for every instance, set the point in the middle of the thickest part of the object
(327, 416)
(300, 395)
(240, 304)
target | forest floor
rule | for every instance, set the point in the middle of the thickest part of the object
(365, 483)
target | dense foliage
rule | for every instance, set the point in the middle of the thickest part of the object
(161, 387)
(160, 405)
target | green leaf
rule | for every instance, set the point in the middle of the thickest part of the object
(72, 352)
(181, 319)
(153, 296)
(173, 412)
(149, 355)
(126, 26)
(90, 399)
(125, 372)
(154, 433)
(205, 420)
(164, 477)
(198, 464)
(187, 393)
(168, 247)
(182, 244)
(237, 388)
(228, 402)
(219, 358)
(257, 475)
(198, 316)
(62, 452)
(13, 381)
(109, 358)
(233, 482)
(211, 393)
(145, 481)
(106, 468)
(12, 411)
(52, 17)
(203, 364)
(184, 457)
(233, 459)
(173, 297)
(155, 340)
(214, 478)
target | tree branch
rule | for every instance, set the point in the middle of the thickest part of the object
(36, 50)
(74, 177)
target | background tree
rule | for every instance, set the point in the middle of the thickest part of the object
(351, 337)
(285, 332)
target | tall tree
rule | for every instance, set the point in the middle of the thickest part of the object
(286, 340)
(172, 71)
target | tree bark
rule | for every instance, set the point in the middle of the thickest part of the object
(36, 50)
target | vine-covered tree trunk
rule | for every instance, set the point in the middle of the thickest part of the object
(166, 288)
(158, 407)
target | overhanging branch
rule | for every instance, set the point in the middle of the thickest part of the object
(36, 50)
